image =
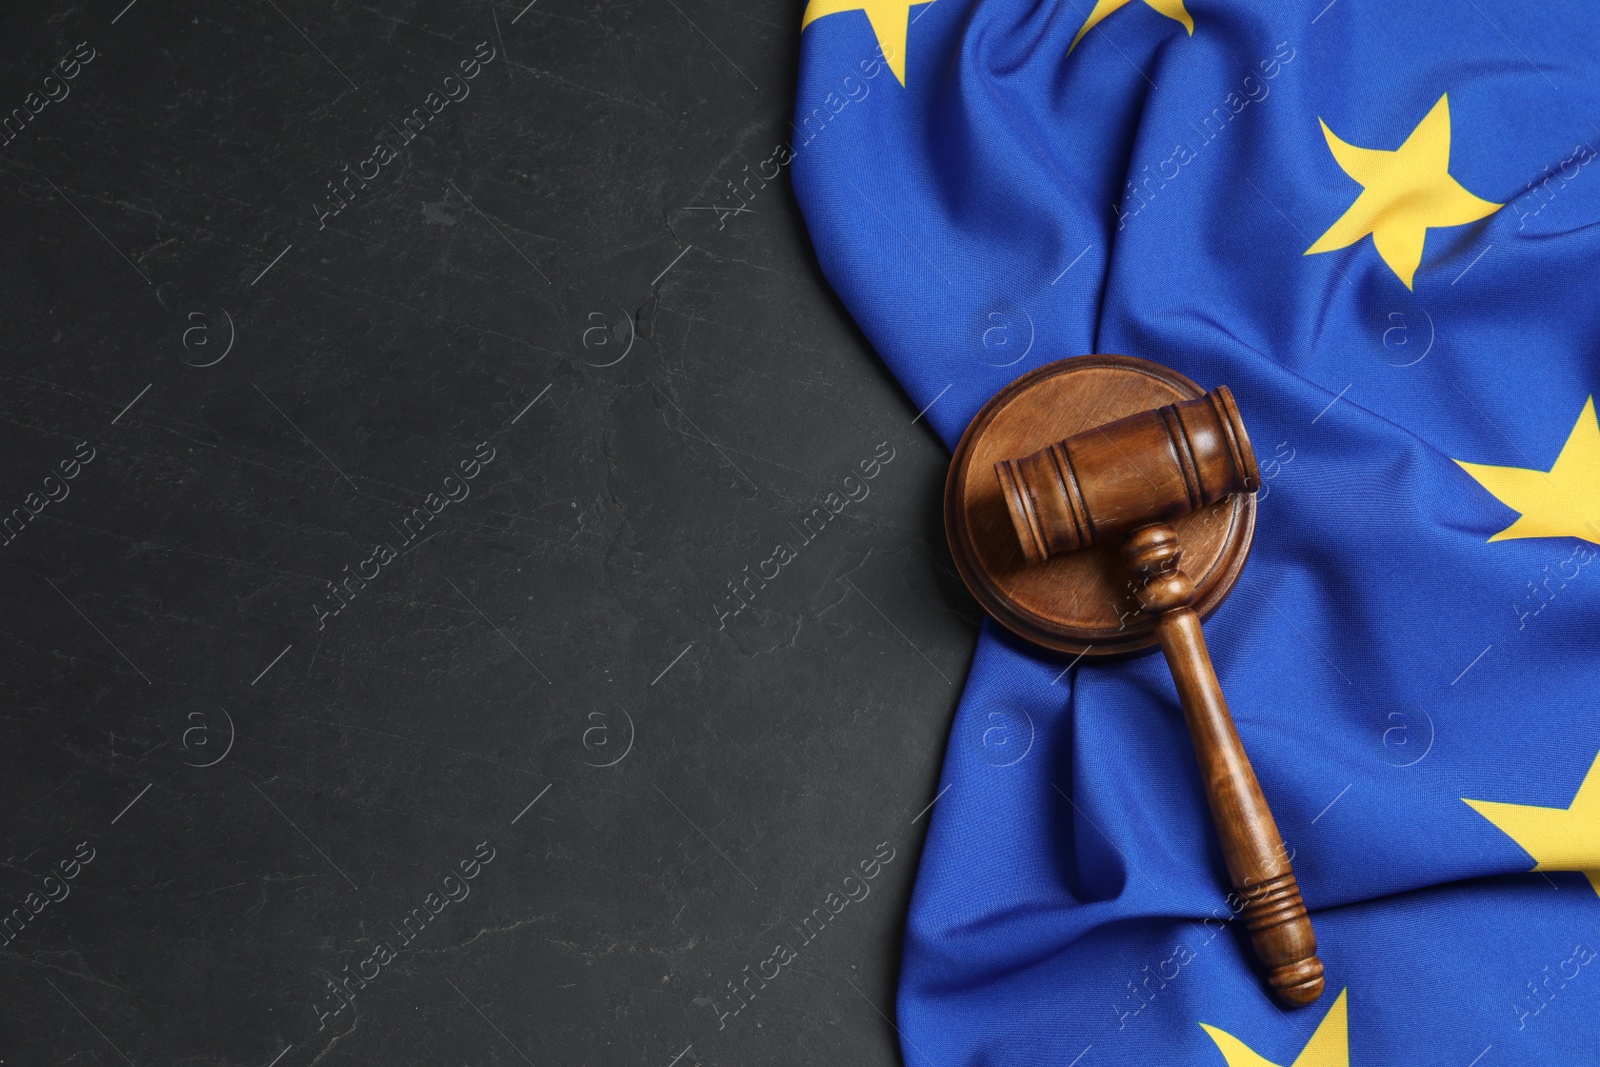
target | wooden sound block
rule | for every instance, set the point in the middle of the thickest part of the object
(1083, 601)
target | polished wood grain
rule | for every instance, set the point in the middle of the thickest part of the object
(1086, 541)
(1156, 464)
(1080, 602)
(1274, 915)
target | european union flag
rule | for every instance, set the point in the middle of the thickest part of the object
(1379, 224)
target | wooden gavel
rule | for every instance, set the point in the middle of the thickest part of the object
(1125, 481)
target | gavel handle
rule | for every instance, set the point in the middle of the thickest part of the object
(1258, 865)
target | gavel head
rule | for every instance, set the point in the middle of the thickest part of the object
(1149, 467)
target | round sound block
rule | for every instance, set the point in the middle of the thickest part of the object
(1079, 602)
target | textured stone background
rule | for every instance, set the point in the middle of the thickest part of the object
(667, 390)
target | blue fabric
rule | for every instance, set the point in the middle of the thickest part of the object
(1020, 199)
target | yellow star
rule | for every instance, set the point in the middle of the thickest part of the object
(1403, 194)
(889, 19)
(1561, 502)
(1559, 839)
(1173, 9)
(1329, 1045)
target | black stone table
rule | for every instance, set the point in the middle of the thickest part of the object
(469, 596)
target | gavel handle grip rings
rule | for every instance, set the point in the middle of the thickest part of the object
(1121, 483)
(1258, 864)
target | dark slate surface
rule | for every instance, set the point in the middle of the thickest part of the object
(222, 795)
